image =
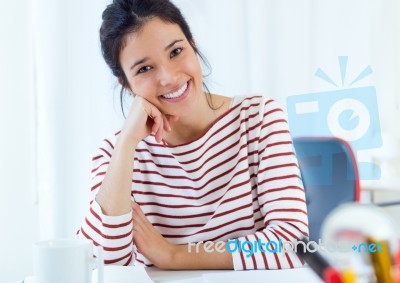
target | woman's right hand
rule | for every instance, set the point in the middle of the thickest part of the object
(144, 119)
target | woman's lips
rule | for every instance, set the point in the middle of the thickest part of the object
(180, 97)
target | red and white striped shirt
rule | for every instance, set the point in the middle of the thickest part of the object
(240, 180)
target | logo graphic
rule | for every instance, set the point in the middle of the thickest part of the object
(348, 113)
(371, 248)
(282, 246)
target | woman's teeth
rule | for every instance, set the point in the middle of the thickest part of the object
(177, 93)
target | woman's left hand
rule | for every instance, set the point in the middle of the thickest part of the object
(149, 241)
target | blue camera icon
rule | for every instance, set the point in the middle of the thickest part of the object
(350, 114)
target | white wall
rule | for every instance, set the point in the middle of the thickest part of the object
(75, 108)
(275, 47)
(18, 213)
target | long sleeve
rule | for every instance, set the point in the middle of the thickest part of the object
(112, 233)
(280, 195)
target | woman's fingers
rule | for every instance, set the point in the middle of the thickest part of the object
(161, 123)
(138, 214)
(138, 225)
(160, 132)
(143, 118)
(167, 126)
(168, 120)
(139, 219)
(158, 122)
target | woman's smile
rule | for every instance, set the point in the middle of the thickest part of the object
(178, 95)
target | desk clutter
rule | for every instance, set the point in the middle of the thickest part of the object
(359, 243)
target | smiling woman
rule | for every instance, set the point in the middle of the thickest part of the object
(180, 170)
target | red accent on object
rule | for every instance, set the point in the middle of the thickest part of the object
(396, 267)
(331, 275)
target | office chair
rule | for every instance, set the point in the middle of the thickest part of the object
(330, 177)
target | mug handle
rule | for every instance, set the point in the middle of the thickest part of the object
(100, 265)
(98, 262)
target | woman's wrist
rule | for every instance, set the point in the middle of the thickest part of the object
(114, 196)
(198, 257)
(167, 257)
(126, 142)
(175, 254)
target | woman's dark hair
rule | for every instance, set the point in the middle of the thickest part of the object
(123, 17)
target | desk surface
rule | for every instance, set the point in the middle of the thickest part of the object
(217, 276)
(125, 275)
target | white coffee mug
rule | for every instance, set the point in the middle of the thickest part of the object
(65, 261)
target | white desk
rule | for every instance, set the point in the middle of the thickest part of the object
(126, 274)
(217, 276)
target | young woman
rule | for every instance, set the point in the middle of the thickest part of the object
(189, 170)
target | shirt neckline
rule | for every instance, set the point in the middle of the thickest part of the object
(234, 103)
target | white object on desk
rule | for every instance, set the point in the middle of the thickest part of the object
(261, 276)
(63, 261)
(123, 274)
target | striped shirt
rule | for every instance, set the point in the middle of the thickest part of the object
(240, 180)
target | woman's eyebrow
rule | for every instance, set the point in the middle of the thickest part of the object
(141, 61)
(173, 43)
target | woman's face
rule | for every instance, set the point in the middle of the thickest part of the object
(162, 67)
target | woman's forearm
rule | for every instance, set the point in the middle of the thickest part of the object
(114, 196)
(201, 256)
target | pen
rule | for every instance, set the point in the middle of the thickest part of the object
(319, 264)
(381, 261)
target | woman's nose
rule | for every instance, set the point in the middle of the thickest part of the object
(167, 75)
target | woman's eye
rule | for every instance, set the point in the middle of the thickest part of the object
(176, 51)
(144, 69)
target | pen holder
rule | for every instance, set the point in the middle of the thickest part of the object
(363, 238)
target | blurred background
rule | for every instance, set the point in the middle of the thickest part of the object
(58, 99)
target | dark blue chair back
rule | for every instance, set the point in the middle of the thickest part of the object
(330, 177)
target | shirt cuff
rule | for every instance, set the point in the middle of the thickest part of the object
(111, 220)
